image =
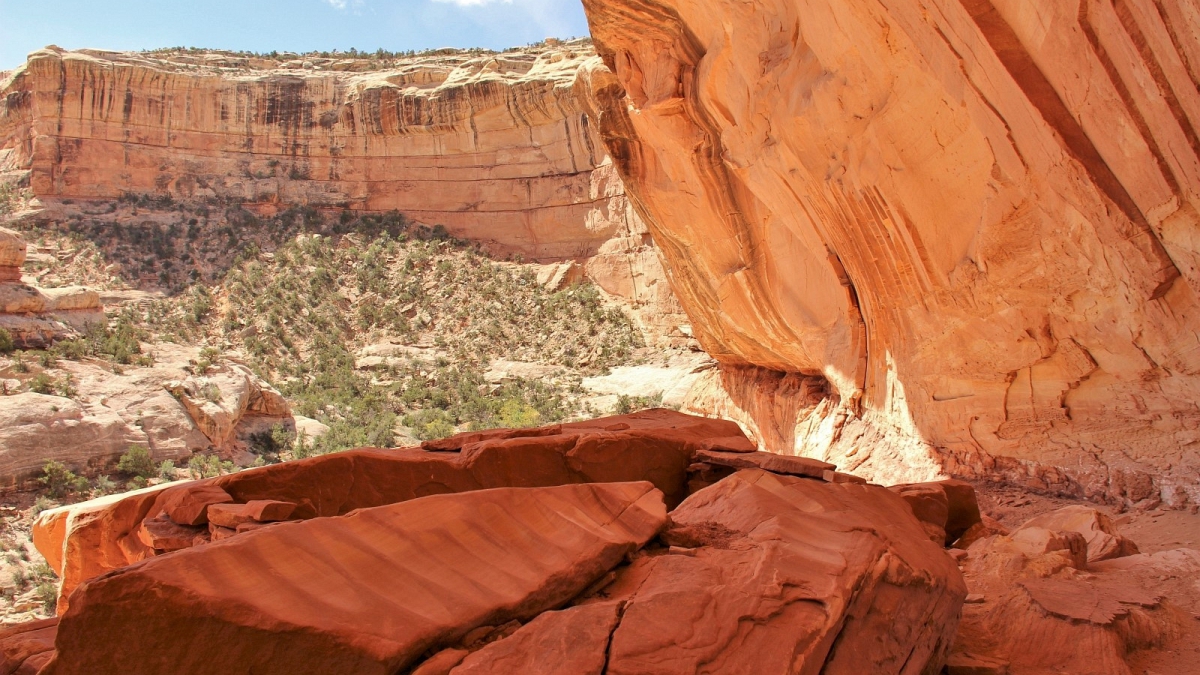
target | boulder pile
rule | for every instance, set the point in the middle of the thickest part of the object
(655, 542)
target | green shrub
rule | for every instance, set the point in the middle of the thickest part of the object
(7, 344)
(136, 462)
(60, 481)
(166, 470)
(630, 404)
(208, 466)
(42, 384)
(47, 592)
(104, 486)
(42, 503)
(66, 387)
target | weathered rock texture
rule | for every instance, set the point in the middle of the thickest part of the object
(494, 147)
(365, 593)
(36, 317)
(780, 574)
(163, 407)
(953, 235)
(1039, 604)
(498, 148)
(85, 540)
(792, 570)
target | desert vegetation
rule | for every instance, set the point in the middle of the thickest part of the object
(301, 294)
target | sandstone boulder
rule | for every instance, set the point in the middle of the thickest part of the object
(949, 506)
(1038, 541)
(110, 411)
(774, 573)
(740, 459)
(1036, 612)
(1104, 542)
(37, 428)
(655, 445)
(226, 396)
(188, 504)
(573, 641)
(365, 593)
(256, 511)
(12, 255)
(25, 647)
(84, 540)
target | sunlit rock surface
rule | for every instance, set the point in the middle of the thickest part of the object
(954, 236)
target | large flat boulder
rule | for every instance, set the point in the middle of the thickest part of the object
(37, 428)
(654, 445)
(365, 593)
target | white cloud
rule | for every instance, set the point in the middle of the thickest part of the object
(337, 4)
(467, 3)
(343, 4)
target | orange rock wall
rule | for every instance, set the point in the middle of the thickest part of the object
(929, 235)
(498, 148)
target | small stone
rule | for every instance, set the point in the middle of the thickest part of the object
(975, 598)
(164, 535)
(442, 662)
(259, 510)
(188, 504)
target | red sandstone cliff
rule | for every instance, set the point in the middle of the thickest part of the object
(499, 148)
(495, 147)
(929, 235)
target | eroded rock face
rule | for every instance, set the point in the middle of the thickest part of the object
(37, 317)
(752, 583)
(163, 407)
(498, 148)
(950, 237)
(1041, 602)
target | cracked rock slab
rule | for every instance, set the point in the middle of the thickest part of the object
(366, 593)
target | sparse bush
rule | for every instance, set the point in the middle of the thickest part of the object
(136, 462)
(66, 387)
(42, 384)
(211, 392)
(630, 404)
(61, 481)
(7, 344)
(208, 466)
(166, 470)
(47, 592)
(104, 486)
(42, 503)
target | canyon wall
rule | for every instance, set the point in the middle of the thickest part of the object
(496, 147)
(929, 236)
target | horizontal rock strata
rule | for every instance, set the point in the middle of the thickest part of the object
(497, 148)
(929, 237)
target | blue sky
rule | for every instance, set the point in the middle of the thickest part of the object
(282, 25)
